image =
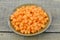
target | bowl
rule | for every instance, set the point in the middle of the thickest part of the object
(39, 32)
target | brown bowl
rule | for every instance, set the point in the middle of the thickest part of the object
(41, 31)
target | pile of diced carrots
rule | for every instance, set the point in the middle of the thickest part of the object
(29, 19)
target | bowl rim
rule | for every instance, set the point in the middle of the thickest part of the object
(50, 20)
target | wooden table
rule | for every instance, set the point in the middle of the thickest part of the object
(51, 6)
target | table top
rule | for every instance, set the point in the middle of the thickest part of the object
(52, 6)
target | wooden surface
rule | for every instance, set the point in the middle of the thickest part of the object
(44, 36)
(50, 6)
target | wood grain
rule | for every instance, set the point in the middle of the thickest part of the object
(44, 36)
